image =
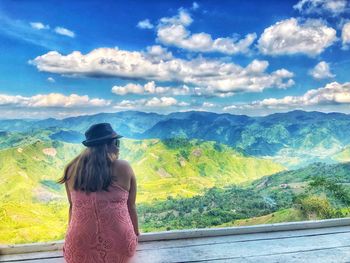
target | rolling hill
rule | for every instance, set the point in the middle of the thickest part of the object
(316, 192)
(293, 139)
(32, 202)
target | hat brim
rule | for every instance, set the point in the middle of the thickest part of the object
(101, 140)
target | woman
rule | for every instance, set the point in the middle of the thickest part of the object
(101, 189)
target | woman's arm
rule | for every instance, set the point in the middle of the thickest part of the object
(132, 201)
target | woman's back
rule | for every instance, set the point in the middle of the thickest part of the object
(100, 228)
(101, 190)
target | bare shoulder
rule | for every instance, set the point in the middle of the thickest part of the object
(122, 164)
(124, 167)
(124, 174)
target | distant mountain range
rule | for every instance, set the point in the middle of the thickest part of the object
(294, 139)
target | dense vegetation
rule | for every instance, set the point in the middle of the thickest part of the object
(215, 207)
(321, 197)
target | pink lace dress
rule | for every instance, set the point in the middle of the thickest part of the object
(101, 229)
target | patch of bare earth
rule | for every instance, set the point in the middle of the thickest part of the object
(163, 173)
(197, 152)
(155, 156)
(24, 174)
(50, 151)
(44, 195)
(182, 161)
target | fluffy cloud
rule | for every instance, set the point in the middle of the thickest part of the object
(195, 5)
(208, 104)
(291, 37)
(50, 79)
(164, 102)
(320, 6)
(39, 25)
(149, 88)
(321, 71)
(248, 80)
(145, 24)
(154, 102)
(157, 53)
(64, 31)
(172, 31)
(345, 34)
(211, 75)
(129, 88)
(332, 94)
(51, 100)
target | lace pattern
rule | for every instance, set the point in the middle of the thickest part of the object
(101, 229)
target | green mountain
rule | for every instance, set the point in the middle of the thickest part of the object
(182, 167)
(129, 123)
(293, 139)
(293, 179)
(316, 192)
(32, 203)
(32, 207)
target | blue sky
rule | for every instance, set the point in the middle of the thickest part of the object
(64, 58)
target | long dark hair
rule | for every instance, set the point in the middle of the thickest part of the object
(92, 168)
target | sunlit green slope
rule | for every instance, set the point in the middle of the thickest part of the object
(181, 167)
(343, 155)
(34, 208)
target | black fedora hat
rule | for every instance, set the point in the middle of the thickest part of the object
(100, 133)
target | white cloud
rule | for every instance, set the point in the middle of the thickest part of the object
(154, 102)
(195, 5)
(291, 37)
(129, 88)
(145, 24)
(320, 6)
(345, 34)
(321, 71)
(208, 104)
(162, 102)
(24, 31)
(250, 79)
(210, 75)
(51, 100)
(157, 53)
(149, 88)
(64, 31)
(130, 104)
(172, 31)
(39, 25)
(182, 18)
(50, 79)
(332, 94)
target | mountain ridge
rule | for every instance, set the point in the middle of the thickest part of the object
(294, 139)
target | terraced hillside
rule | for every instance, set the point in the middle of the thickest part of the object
(33, 203)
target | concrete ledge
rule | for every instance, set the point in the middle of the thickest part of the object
(190, 233)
